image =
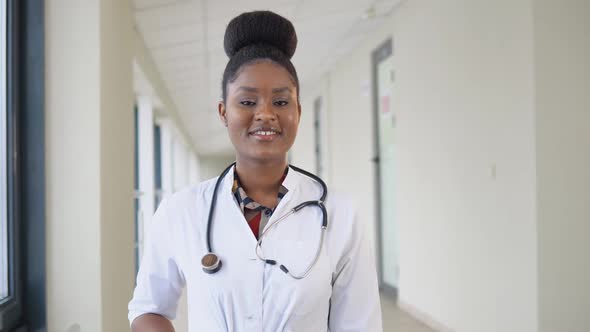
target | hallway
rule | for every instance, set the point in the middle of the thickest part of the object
(455, 132)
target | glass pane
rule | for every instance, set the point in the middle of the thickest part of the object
(3, 150)
(136, 187)
(158, 164)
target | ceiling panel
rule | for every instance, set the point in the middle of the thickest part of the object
(176, 79)
(178, 13)
(142, 5)
(329, 8)
(223, 11)
(173, 36)
(189, 49)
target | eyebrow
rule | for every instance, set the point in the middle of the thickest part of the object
(275, 90)
(283, 89)
(248, 89)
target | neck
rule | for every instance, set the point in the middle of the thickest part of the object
(261, 178)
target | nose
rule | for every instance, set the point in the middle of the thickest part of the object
(265, 113)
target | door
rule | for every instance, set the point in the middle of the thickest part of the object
(384, 118)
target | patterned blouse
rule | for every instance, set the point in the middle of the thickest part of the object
(256, 214)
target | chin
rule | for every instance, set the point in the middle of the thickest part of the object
(267, 156)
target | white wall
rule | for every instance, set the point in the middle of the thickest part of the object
(464, 107)
(562, 81)
(468, 244)
(73, 180)
(89, 161)
(116, 173)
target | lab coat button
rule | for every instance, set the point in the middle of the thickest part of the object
(250, 317)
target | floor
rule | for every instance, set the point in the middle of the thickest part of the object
(395, 320)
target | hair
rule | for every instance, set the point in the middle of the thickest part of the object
(255, 37)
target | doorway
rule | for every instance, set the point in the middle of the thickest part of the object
(384, 129)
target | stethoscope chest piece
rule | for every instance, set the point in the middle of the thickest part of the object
(210, 263)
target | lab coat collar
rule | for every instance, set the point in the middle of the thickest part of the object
(291, 181)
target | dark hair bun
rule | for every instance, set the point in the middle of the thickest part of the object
(260, 28)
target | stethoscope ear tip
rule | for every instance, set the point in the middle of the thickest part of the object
(210, 263)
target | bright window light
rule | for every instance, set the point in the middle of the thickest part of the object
(3, 150)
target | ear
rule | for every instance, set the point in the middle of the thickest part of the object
(222, 112)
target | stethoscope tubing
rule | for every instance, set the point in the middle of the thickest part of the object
(283, 267)
(319, 203)
(212, 207)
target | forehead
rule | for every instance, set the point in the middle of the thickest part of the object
(262, 74)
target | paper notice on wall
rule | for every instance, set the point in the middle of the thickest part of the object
(384, 105)
(385, 111)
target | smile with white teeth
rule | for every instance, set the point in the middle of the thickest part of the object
(264, 133)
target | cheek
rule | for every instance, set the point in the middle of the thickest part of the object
(237, 131)
(294, 123)
(237, 123)
(291, 120)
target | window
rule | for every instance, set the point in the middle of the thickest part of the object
(22, 166)
(3, 151)
(137, 193)
(158, 165)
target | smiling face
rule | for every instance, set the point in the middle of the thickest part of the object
(261, 112)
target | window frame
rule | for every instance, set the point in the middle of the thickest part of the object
(11, 308)
(25, 309)
(4, 278)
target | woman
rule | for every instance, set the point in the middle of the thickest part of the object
(263, 267)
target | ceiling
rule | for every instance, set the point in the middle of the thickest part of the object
(185, 39)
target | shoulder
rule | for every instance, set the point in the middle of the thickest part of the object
(190, 195)
(183, 212)
(186, 205)
(349, 226)
(342, 207)
(346, 228)
(343, 217)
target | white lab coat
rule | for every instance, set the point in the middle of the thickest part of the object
(247, 294)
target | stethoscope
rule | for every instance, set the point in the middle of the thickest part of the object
(211, 262)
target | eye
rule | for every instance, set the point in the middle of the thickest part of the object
(247, 103)
(281, 103)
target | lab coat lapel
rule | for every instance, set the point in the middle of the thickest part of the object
(237, 217)
(291, 182)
